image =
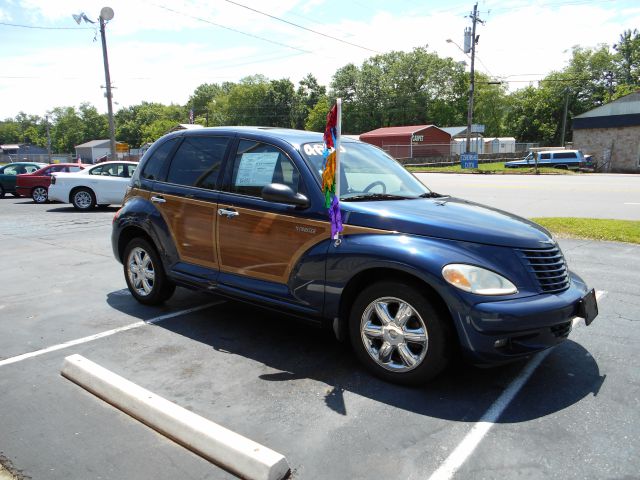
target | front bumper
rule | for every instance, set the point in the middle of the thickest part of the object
(496, 332)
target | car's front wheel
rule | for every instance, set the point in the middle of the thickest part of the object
(83, 199)
(398, 333)
(39, 195)
(145, 275)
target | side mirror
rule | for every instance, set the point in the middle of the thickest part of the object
(277, 192)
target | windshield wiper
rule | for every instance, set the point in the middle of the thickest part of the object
(375, 196)
(432, 195)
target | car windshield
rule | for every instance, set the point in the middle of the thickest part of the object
(367, 173)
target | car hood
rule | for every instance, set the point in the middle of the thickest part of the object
(448, 218)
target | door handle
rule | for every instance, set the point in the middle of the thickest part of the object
(158, 200)
(227, 213)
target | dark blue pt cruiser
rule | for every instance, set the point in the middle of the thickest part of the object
(417, 278)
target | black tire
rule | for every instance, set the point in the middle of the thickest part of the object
(144, 273)
(431, 355)
(2, 192)
(83, 199)
(40, 195)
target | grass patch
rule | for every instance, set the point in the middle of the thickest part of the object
(494, 167)
(593, 228)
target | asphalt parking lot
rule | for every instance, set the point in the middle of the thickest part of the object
(286, 385)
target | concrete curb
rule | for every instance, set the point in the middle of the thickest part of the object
(221, 446)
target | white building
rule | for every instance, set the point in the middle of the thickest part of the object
(499, 145)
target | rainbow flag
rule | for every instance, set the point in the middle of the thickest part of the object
(331, 172)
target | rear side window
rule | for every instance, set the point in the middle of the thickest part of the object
(545, 156)
(153, 167)
(198, 161)
(565, 155)
(258, 164)
(74, 169)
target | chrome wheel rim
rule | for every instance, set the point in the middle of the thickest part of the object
(83, 199)
(39, 195)
(141, 272)
(394, 334)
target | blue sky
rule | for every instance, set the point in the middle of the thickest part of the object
(161, 51)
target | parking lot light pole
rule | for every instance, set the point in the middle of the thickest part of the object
(106, 14)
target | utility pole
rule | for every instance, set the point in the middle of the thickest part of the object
(107, 78)
(48, 138)
(474, 20)
(564, 116)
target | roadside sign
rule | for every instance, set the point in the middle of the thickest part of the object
(122, 147)
(469, 160)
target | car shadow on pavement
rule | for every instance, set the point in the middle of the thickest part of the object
(70, 209)
(301, 351)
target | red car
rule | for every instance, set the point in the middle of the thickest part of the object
(36, 184)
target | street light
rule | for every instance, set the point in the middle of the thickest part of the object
(106, 14)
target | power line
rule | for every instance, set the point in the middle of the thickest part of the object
(204, 20)
(44, 28)
(301, 27)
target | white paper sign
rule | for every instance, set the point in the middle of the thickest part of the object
(256, 169)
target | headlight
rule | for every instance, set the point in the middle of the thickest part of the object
(477, 280)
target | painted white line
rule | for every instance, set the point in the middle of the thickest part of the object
(228, 449)
(631, 203)
(90, 338)
(454, 461)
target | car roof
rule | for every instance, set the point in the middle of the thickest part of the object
(294, 137)
(114, 161)
(40, 164)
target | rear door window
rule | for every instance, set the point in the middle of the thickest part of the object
(197, 162)
(155, 164)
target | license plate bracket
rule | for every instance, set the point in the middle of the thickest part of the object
(588, 307)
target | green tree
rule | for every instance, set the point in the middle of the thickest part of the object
(627, 60)
(317, 118)
(401, 88)
(67, 129)
(95, 126)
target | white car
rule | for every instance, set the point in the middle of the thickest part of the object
(102, 184)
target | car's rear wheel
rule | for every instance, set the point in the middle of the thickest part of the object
(2, 192)
(83, 199)
(398, 334)
(39, 195)
(145, 275)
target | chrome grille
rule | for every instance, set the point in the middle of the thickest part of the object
(549, 268)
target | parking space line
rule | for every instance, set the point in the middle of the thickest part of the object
(454, 461)
(90, 338)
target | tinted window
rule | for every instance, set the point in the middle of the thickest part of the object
(96, 171)
(258, 164)
(153, 166)
(545, 156)
(565, 155)
(197, 162)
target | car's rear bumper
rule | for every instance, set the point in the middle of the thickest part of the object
(496, 332)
